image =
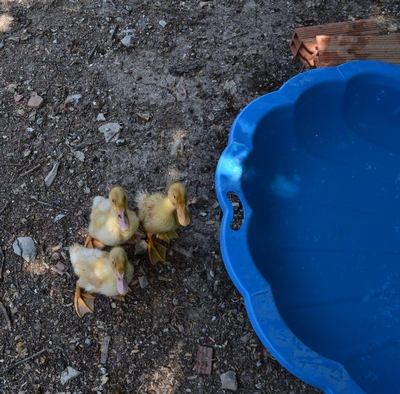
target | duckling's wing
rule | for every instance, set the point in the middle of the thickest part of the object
(140, 197)
(129, 271)
(98, 216)
(96, 275)
(100, 206)
(81, 256)
(133, 221)
(91, 266)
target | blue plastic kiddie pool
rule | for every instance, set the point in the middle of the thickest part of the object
(316, 166)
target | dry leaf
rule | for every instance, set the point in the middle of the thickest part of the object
(20, 346)
(20, 349)
(180, 90)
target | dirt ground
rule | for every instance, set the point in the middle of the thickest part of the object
(173, 75)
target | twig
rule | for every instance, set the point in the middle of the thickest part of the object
(2, 228)
(92, 52)
(31, 170)
(114, 32)
(3, 309)
(85, 145)
(24, 360)
(50, 205)
(5, 207)
(3, 259)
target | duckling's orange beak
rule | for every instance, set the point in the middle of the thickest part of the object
(122, 283)
(183, 216)
(123, 219)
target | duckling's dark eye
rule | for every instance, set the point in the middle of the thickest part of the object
(113, 263)
(113, 200)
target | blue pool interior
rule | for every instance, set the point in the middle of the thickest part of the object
(323, 183)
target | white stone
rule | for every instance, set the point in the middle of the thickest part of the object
(79, 155)
(143, 281)
(127, 41)
(68, 374)
(228, 381)
(25, 247)
(110, 131)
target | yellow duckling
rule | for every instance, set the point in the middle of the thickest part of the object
(162, 215)
(111, 222)
(100, 272)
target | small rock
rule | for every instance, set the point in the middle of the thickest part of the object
(230, 87)
(18, 98)
(245, 338)
(79, 155)
(101, 117)
(35, 101)
(228, 381)
(162, 23)
(110, 131)
(68, 374)
(25, 247)
(59, 267)
(141, 247)
(127, 41)
(73, 98)
(55, 256)
(21, 112)
(59, 217)
(143, 282)
(104, 379)
(144, 115)
(12, 88)
(104, 349)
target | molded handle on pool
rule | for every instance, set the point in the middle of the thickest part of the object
(234, 243)
(229, 179)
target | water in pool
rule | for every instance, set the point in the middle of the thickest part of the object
(325, 192)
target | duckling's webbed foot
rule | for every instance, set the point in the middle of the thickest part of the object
(168, 236)
(94, 243)
(157, 252)
(84, 302)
